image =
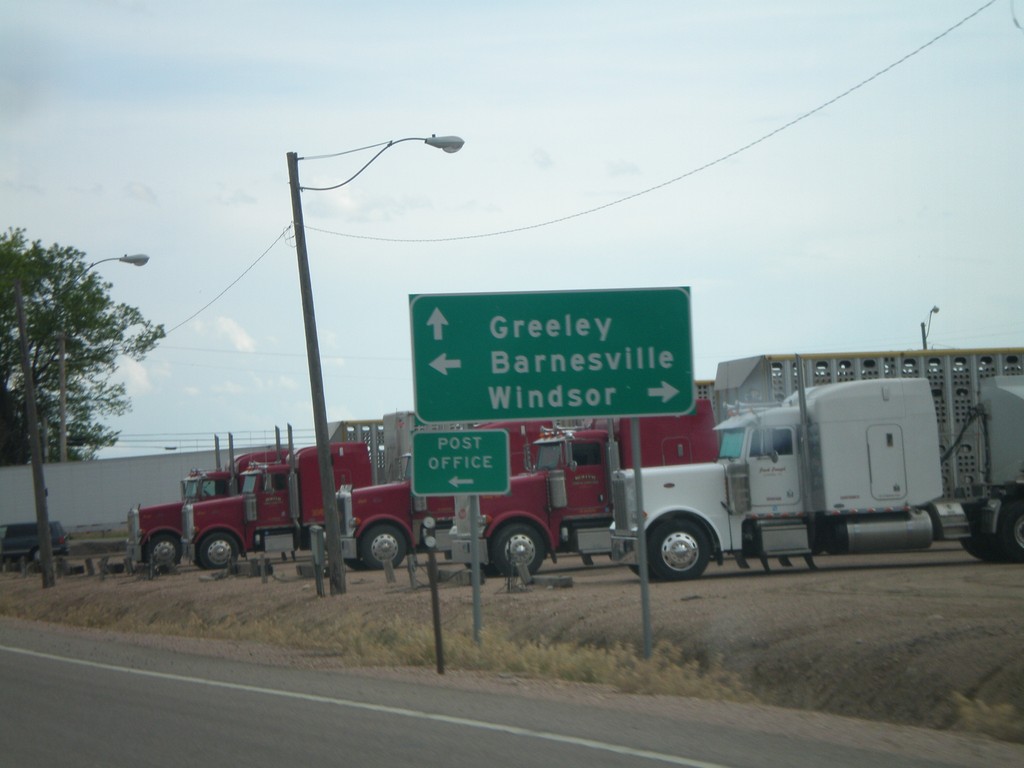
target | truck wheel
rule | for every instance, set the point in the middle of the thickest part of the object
(514, 544)
(163, 549)
(678, 551)
(1011, 532)
(216, 550)
(380, 544)
(984, 546)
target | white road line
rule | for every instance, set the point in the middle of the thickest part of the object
(397, 711)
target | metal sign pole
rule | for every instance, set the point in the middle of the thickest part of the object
(474, 556)
(641, 540)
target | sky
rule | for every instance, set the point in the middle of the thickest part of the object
(818, 174)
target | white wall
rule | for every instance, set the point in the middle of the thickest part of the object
(99, 493)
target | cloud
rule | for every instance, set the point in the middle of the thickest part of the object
(136, 377)
(237, 197)
(542, 159)
(623, 168)
(140, 192)
(235, 334)
(228, 388)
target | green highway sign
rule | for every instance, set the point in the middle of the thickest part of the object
(487, 356)
(473, 461)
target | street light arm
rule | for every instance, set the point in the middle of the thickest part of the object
(136, 259)
(449, 144)
(354, 175)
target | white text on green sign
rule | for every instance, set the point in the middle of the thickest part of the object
(462, 462)
(548, 355)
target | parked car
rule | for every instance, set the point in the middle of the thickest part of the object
(22, 540)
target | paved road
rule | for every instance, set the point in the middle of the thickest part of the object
(85, 701)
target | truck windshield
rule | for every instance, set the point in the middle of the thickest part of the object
(549, 455)
(732, 444)
(249, 483)
(191, 492)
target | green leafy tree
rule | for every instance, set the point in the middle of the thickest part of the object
(63, 296)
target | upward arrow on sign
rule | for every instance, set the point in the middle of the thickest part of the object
(437, 321)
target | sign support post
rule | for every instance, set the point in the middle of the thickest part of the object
(537, 356)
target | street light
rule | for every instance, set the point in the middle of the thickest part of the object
(136, 259)
(332, 523)
(925, 330)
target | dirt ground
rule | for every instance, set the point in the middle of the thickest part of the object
(927, 638)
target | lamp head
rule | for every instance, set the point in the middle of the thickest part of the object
(449, 144)
(935, 311)
(138, 259)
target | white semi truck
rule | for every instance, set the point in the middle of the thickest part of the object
(837, 454)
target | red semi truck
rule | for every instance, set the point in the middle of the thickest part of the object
(379, 521)
(155, 531)
(278, 503)
(559, 499)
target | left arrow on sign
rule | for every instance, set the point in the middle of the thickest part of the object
(458, 481)
(442, 364)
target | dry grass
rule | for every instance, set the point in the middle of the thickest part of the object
(1000, 721)
(367, 637)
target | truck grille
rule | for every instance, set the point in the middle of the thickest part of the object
(623, 502)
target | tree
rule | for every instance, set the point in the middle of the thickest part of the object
(62, 296)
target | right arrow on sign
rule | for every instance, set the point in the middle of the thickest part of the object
(441, 364)
(666, 391)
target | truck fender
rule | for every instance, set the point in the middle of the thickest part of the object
(518, 516)
(403, 525)
(674, 515)
(157, 531)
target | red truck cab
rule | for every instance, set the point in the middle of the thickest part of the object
(155, 531)
(381, 521)
(277, 504)
(564, 503)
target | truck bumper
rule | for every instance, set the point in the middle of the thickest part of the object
(348, 548)
(623, 550)
(462, 551)
(133, 551)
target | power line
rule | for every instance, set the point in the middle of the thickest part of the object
(686, 175)
(619, 201)
(231, 284)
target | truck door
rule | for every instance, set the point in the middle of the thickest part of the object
(273, 502)
(586, 480)
(886, 463)
(774, 471)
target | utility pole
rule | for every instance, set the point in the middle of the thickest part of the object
(38, 483)
(332, 523)
(63, 400)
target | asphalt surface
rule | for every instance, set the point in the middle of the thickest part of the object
(92, 700)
